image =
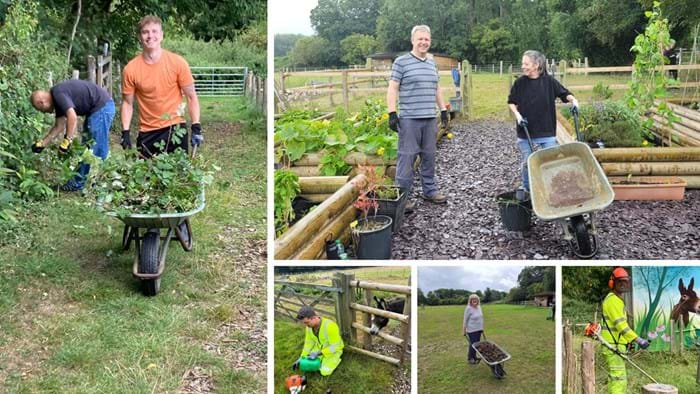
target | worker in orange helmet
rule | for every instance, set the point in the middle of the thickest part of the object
(617, 332)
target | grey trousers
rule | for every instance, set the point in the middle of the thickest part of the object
(417, 137)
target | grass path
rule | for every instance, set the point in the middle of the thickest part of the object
(74, 319)
(522, 331)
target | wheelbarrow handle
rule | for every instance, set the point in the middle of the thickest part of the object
(579, 135)
(523, 124)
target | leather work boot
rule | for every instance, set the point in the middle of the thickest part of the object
(437, 198)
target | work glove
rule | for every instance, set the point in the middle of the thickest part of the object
(295, 366)
(197, 137)
(643, 343)
(519, 118)
(126, 139)
(313, 355)
(443, 118)
(64, 146)
(574, 103)
(37, 147)
(394, 121)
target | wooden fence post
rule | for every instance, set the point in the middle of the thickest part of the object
(569, 359)
(406, 328)
(562, 71)
(346, 99)
(588, 367)
(100, 71)
(672, 336)
(500, 69)
(76, 74)
(91, 66)
(330, 95)
(367, 320)
(342, 281)
(585, 64)
(681, 337)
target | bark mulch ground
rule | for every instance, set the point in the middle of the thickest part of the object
(481, 161)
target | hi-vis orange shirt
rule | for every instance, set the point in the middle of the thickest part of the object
(158, 89)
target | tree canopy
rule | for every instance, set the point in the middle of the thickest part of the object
(486, 31)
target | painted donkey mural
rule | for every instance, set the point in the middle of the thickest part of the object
(689, 302)
(394, 305)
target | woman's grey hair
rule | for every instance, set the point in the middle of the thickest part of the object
(537, 58)
(424, 28)
(474, 297)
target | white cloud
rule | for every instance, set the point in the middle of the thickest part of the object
(475, 276)
(287, 17)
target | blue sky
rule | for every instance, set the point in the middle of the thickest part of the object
(288, 17)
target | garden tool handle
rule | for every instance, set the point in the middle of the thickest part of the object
(574, 113)
(194, 152)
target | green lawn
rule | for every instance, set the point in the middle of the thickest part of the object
(73, 317)
(356, 373)
(523, 331)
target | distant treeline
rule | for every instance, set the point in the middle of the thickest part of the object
(482, 31)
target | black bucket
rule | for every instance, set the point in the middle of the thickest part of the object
(515, 214)
(375, 244)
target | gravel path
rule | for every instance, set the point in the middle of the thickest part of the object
(483, 160)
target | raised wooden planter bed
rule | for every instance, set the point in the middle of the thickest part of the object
(648, 188)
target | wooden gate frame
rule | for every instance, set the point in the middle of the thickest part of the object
(345, 309)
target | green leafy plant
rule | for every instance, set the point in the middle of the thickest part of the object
(286, 189)
(166, 183)
(649, 82)
(366, 131)
(601, 92)
(611, 122)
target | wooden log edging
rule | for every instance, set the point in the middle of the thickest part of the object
(302, 231)
(651, 168)
(321, 184)
(654, 154)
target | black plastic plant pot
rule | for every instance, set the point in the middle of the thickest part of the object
(393, 208)
(515, 214)
(374, 244)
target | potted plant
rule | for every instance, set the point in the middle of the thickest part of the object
(391, 199)
(371, 234)
(648, 188)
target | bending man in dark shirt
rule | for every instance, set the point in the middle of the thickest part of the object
(69, 100)
(532, 98)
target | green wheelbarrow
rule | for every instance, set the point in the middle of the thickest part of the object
(151, 234)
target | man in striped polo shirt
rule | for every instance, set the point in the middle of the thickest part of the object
(415, 82)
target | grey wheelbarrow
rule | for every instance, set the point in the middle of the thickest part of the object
(152, 234)
(568, 185)
(493, 355)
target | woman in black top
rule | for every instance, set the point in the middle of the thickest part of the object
(532, 99)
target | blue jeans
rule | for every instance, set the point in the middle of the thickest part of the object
(96, 127)
(525, 152)
(474, 337)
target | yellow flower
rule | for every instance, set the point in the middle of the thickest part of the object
(449, 136)
(645, 143)
(380, 151)
(385, 116)
(353, 224)
(326, 122)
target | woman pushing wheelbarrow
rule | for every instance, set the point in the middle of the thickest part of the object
(473, 328)
(564, 183)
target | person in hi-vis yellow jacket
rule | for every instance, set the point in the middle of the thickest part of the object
(322, 341)
(617, 332)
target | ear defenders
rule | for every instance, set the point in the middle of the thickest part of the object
(617, 273)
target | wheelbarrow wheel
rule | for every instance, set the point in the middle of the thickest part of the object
(148, 262)
(584, 244)
(126, 237)
(498, 371)
(185, 236)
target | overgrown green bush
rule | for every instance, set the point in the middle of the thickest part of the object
(25, 62)
(611, 122)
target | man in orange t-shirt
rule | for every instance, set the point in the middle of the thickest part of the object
(158, 79)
